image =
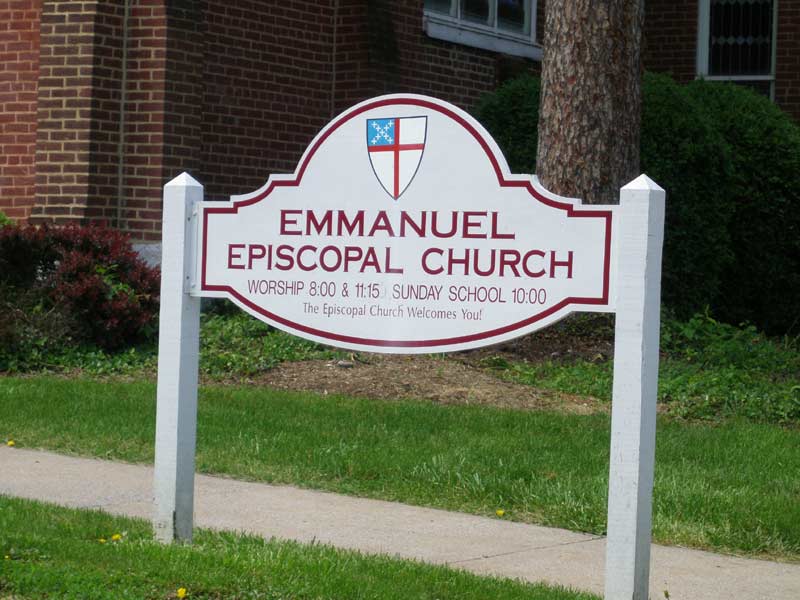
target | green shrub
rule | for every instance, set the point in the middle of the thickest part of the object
(762, 284)
(237, 345)
(680, 151)
(4, 220)
(714, 370)
(511, 115)
(32, 329)
(683, 153)
(706, 341)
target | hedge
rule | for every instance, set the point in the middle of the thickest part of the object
(730, 162)
(762, 283)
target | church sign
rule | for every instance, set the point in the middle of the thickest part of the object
(402, 230)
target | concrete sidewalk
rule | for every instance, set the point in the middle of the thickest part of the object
(478, 544)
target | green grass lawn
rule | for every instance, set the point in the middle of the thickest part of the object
(733, 488)
(686, 390)
(50, 552)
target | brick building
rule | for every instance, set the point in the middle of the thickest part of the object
(103, 101)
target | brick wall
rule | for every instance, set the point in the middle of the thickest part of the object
(361, 38)
(267, 75)
(670, 38)
(384, 50)
(144, 116)
(458, 74)
(105, 110)
(80, 62)
(787, 76)
(183, 88)
(81, 173)
(19, 73)
(64, 107)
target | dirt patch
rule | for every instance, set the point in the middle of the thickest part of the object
(578, 337)
(442, 380)
(460, 378)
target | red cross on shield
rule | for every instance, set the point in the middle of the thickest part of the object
(395, 147)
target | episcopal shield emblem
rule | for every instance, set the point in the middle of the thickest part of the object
(395, 148)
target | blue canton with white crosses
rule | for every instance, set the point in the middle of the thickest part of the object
(380, 132)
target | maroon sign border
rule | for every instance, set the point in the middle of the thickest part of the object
(503, 182)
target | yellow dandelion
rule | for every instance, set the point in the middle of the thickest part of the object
(116, 537)
(11, 443)
(7, 557)
(102, 540)
(181, 593)
(499, 512)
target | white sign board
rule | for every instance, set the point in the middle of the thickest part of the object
(402, 230)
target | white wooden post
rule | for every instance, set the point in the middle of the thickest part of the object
(178, 349)
(633, 412)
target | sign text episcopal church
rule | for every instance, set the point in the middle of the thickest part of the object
(403, 230)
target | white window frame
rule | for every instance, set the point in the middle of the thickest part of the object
(703, 33)
(452, 28)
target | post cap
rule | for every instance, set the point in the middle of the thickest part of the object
(643, 183)
(184, 180)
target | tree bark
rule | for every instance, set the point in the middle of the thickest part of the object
(590, 107)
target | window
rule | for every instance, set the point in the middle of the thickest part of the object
(736, 42)
(505, 26)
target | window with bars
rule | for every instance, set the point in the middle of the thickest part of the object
(506, 26)
(736, 42)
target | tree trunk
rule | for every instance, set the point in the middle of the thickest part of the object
(590, 112)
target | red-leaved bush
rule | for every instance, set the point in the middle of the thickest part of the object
(90, 273)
